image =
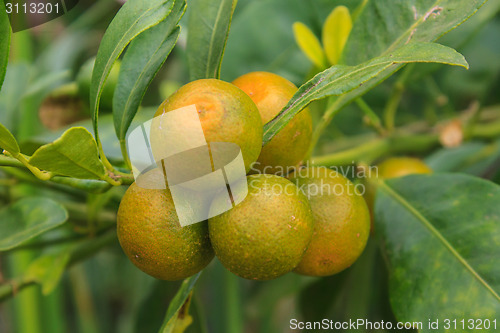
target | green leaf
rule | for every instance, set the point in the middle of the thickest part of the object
(265, 299)
(358, 10)
(48, 83)
(134, 17)
(179, 300)
(475, 158)
(247, 50)
(385, 26)
(459, 37)
(208, 28)
(48, 270)
(142, 61)
(151, 309)
(336, 30)
(341, 79)
(8, 142)
(4, 42)
(309, 44)
(17, 79)
(27, 218)
(441, 233)
(74, 154)
(110, 143)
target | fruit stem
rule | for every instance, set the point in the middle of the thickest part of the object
(126, 159)
(399, 142)
(23, 162)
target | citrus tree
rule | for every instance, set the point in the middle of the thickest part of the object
(406, 88)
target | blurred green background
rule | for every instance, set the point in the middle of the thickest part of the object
(106, 293)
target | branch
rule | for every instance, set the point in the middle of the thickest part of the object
(397, 143)
(78, 253)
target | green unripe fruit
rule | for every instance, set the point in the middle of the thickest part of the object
(151, 236)
(392, 168)
(226, 114)
(341, 221)
(271, 93)
(401, 166)
(266, 235)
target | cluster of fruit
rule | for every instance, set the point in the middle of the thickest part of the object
(309, 221)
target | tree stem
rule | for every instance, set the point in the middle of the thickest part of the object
(397, 143)
(78, 253)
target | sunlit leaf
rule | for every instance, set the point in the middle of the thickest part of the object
(74, 154)
(309, 44)
(336, 30)
(7, 141)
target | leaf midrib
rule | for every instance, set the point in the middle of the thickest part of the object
(212, 38)
(172, 32)
(54, 147)
(437, 234)
(382, 62)
(79, 165)
(95, 104)
(136, 85)
(411, 28)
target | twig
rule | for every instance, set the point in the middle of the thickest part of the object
(78, 253)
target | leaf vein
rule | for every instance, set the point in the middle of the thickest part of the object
(439, 236)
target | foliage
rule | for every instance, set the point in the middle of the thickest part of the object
(433, 254)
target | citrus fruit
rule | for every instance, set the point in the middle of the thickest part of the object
(341, 221)
(151, 236)
(401, 166)
(264, 236)
(226, 114)
(271, 93)
(392, 168)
